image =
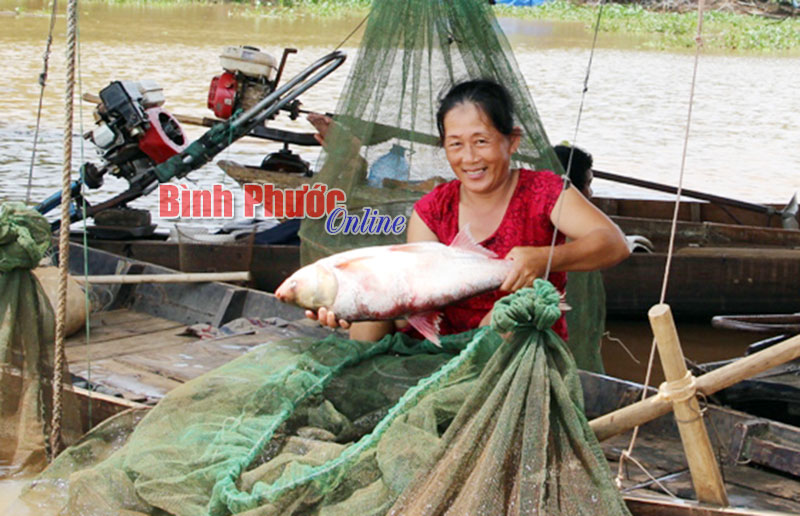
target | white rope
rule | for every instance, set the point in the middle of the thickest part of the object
(678, 390)
(670, 249)
(565, 182)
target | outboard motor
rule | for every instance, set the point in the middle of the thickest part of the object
(132, 133)
(250, 75)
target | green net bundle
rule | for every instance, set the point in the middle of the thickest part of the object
(26, 344)
(342, 427)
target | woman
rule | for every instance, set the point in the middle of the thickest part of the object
(511, 212)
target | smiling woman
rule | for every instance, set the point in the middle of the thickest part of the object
(515, 213)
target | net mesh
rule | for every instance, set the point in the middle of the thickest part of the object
(411, 53)
(340, 427)
(26, 351)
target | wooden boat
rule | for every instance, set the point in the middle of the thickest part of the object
(138, 349)
(718, 266)
(774, 393)
(139, 352)
(722, 210)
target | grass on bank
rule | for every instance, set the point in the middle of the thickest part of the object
(671, 29)
(721, 30)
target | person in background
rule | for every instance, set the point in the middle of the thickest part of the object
(512, 212)
(580, 170)
(585, 292)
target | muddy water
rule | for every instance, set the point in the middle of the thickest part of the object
(626, 348)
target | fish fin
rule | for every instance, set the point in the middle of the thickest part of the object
(427, 323)
(464, 240)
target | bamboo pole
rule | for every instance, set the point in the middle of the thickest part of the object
(706, 477)
(639, 413)
(186, 277)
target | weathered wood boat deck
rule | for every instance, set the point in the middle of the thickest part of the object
(758, 458)
(142, 357)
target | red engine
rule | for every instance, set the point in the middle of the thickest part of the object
(222, 95)
(164, 138)
(249, 77)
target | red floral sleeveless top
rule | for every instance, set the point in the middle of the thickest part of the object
(525, 223)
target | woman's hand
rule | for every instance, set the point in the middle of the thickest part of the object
(322, 124)
(529, 263)
(327, 318)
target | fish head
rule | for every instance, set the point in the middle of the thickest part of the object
(312, 287)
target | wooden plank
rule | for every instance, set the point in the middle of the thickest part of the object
(659, 451)
(244, 174)
(121, 324)
(183, 277)
(649, 505)
(96, 407)
(132, 383)
(663, 209)
(756, 489)
(128, 345)
(707, 286)
(706, 233)
(186, 361)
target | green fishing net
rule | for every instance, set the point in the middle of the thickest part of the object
(483, 426)
(411, 53)
(26, 344)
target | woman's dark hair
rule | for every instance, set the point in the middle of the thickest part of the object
(581, 164)
(492, 98)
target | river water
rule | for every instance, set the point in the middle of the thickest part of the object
(744, 142)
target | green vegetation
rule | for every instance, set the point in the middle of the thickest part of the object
(321, 8)
(671, 29)
(721, 30)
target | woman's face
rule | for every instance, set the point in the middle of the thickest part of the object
(478, 153)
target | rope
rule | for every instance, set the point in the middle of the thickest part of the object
(352, 32)
(678, 390)
(670, 249)
(565, 183)
(42, 82)
(63, 234)
(626, 455)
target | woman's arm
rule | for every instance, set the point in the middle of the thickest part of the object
(595, 243)
(418, 231)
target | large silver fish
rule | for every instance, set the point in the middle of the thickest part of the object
(396, 281)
